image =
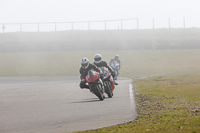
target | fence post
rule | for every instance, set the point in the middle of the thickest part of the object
(3, 28)
(121, 24)
(72, 26)
(105, 25)
(20, 27)
(169, 23)
(153, 23)
(55, 27)
(184, 22)
(38, 27)
(88, 25)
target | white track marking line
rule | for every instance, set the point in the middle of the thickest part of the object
(132, 102)
(131, 96)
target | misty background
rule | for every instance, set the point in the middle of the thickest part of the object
(23, 11)
(154, 24)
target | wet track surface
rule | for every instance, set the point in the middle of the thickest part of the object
(57, 104)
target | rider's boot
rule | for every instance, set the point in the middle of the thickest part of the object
(115, 82)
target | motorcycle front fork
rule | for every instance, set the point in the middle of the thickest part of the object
(102, 85)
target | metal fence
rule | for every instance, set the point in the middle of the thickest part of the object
(116, 24)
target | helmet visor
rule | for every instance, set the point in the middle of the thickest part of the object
(97, 59)
(85, 65)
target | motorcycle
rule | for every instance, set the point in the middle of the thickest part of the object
(115, 67)
(106, 81)
(95, 84)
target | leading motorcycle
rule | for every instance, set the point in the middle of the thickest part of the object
(95, 84)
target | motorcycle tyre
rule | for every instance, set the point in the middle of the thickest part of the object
(108, 89)
(98, 93)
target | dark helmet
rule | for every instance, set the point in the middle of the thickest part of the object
(97, 58)
(84, 63)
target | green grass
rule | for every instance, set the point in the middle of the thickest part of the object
(168, 104)
(187, 86)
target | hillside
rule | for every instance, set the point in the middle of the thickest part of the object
(110, 39)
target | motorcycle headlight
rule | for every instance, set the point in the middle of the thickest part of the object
(105, 74)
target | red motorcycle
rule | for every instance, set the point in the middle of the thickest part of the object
(95, 84)
(107, 81)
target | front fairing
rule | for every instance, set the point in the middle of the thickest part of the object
(106, 73)
(92, 77)
(115, 65)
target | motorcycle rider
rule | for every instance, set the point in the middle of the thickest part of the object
(85, 67)
(99, 63)
(113, 61)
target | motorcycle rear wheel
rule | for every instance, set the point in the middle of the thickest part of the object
(108, 89)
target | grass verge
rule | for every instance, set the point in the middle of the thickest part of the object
(164, 104)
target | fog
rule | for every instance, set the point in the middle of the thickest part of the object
(42, 43)
(175, 15)
(101, 40)
(22, 11)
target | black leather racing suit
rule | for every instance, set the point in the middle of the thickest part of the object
(104, 64)
(84, 73)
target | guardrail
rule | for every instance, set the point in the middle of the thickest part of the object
(115, 24)
(70, 24)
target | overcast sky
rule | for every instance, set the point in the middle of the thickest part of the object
(89, 10)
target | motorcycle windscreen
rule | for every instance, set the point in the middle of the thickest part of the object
(90, 73)
(102, 69)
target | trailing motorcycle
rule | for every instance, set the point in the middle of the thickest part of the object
(107, 81)
(115, 66)
(95, 84)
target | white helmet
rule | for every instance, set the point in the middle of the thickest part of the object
(97, 58)
(116, 57)
(84, 63)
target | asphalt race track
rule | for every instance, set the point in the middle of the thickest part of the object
(58, 105)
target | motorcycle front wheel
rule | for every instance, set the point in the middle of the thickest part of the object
(98, 92)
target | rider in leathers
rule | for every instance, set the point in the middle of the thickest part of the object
(99, 63)
(85, 67)
(114, 61)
